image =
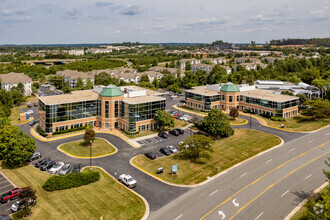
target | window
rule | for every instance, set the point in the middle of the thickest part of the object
(116, 109)
(230, 98)
(222, 97)
(237, 98)
(106, 109)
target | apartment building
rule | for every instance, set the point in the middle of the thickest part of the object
(13, 79)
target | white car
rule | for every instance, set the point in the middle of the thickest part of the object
(57, 167)
(174, 96)
(172, 149)
(181, 143)
(127, 180)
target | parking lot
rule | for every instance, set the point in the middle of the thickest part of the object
(34, 114)
(5, 186)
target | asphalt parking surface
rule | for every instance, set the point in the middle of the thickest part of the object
(5, 186)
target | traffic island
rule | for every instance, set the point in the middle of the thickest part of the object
(227, 152)
(79, 149)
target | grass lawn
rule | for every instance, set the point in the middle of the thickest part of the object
(179, 123)
(106, 197)
(32, 99)
(304, 210)
(227, 152)
(15, 114)
(299, 123)
(78, 148)
(237, 121)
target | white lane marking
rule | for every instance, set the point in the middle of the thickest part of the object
(243, 174)
(235, 203)
(310, 141)
(284, 193)
(178, 217)
(214, 192)
(292, 149)
(308, 177)
(327, 134)
(8, 209)
(222, 214)
(5, 186)
(259, 216)
(268, 161)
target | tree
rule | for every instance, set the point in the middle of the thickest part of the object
(188, 66)
(66, 88)
(317, 108)
(233, 112)
(89, 135)
(28, 199)
(80, 84)
(216, 123)
(4, 120)
(163, 119)
(287, 93)
(15, 147)
(302, 98)
(36, 85)
(154, 63)
(156, 83)
(217, 75)
(20, 87)
(18, 97)
(145, 78)
(174, 88)
(89, 84)
(198, 144)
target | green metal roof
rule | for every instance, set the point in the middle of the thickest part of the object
(111, 91)
(229, 87)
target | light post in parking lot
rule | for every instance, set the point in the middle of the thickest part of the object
(90, 153)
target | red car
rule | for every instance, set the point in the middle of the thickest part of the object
(12, 194)
(176, 115)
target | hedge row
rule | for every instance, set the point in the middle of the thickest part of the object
(71, 180)
(41, 132)
(277, 118)
(71, 130)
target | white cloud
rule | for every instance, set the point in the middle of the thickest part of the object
(320, 11)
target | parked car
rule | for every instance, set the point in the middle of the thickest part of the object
(29, 106)
(67, 168)
(35, 104)
(165, 151)
(181, 143)
(41, 162)
(174, 96)
(57, 167)
(174, 112)
(179, 116)
(151, 155)
(181, 131)
(163, 134)
(11, 195)
(127, 180)
(29, 112)
(172, 149)
(5, 217)
(47, 165)
(176, 115)
(76, 168)
(174, 132)
(18, 206)
(36, 155)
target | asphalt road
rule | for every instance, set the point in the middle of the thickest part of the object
(267, 187)
(5, 186)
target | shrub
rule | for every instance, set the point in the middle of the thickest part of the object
(71, 180)
(70, 130)
(41, 132)
(21, 214)
(265, 115)
(273, 118)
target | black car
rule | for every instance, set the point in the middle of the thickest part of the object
(35, 155)
(29, 106)
(163, 135)
(47, 165)
(76, 168)
(151, 155)
(35, 104)
(174, 132)
(41, 162)
(165, 151)
(181, 131)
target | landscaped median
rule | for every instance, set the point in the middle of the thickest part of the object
(227, 152)
(105, 198)
(100, 148)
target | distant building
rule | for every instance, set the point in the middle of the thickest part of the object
(71, 76)
(76, 52)
(12, 79)
(243, 97)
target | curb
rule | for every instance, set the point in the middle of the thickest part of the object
(95, 157)
(211, 178)
(300, 205)
(146, 213)
(11, 182)
(34, 134)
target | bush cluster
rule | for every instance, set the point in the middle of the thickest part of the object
(70, 130)
(277, 118)
(265, 115)
(71, 180)
(41, 131)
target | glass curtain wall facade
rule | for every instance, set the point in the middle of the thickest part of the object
(69, 111)
(139, 112)
(206, 99)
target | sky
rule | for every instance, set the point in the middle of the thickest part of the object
(154, 21)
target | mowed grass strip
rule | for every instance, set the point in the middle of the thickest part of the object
(227, 152)
(80, 149)
(299, 123)
(106, 197)
(237, 121)
(15, 112)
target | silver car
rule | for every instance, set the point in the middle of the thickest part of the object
(67, 168)
(172, 149)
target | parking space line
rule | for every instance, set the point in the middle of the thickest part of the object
(5, 186)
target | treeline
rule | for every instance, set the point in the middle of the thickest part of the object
(297, 41)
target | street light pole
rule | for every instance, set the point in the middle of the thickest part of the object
(90, 154)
